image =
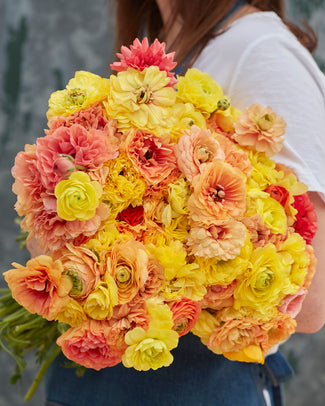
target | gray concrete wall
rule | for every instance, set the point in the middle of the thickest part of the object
(42, 44)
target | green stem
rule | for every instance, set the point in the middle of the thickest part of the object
(26, 326)
(54, 351)
(14, 316)
(6, 296)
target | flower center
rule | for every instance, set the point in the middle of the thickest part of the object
(148, 155)
(122, 274)
(203, 154)
(218, 194)
(223, 104)
(77, 96)
(265, 122)
(143, 95)
(77, 282)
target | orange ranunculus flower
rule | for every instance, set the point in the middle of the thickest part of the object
(128, 266)
(185, 314)
(81, 265)
(219, 296)
(277, 329)
(219, 194)
(40, 286)
(88, 345)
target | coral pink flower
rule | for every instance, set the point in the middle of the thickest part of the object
(222, 242)
(277, 329)
(234, 155)
(125, 318)
(88, 345)
(141, 56)
(185, 314)
(87, 149)
(219, 194)
(291, 304)
(259, 128)
(40, 286)
(153, 156)
(91, 118)
(28, 186)
(306, 218)
(155, 280)
(196, 148)
(219, 296)
(81, 265)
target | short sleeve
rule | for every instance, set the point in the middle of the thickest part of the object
(276, 70)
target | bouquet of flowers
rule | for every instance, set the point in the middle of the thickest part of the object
(153, 209)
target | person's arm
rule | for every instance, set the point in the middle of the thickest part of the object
(312, 315)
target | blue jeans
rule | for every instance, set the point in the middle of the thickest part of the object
(196, 377)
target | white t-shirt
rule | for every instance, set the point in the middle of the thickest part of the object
(258, 60)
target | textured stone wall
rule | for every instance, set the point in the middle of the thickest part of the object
(42, 44)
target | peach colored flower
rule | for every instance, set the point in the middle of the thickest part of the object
(88, 150)
(140, 55)
(40, 286)
(219, 194)
(277, 329)
(153, 156)
(28, 186)
(88, 345)
(125, 318)
(156, 191)
(259, 128)
(259, 232)
(235, 334)
(222, 242)
(219, 296)
(196, 148)
(81, 265)
(234, 155)
(128, 265)
(155, 280)
(185, 314)
(291, 304)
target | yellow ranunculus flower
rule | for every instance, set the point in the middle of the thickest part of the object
(100, 302)
(263, 173)
(185, 116)
(124, 186)
(270, 210)
(182, 279)
(205, 325)
(151, 349)
(73, 314)
(141, 99)
(81, 92)
(77, 197)
(264, 284)
(201, 90)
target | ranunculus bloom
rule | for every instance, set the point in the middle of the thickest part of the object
(306, 218)
(222, 242)
(88, 149)
(219, 194)
(40, 286)
(311, 267)
(128, 266)
(259, 128)
(131, 215)
(81, 265)
(280, 194)
(277, 329)
(155, 280)
(195, 148)
(259, 232)
(88, 345)
(77, 197)
(140, 55)
(185, 314)
(291, 304)
(152, 156)
(219, 296)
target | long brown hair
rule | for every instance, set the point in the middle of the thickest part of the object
(139, 18)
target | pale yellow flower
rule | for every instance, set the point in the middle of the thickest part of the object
(264, 172)
(72, 314)
(77, 197)
(81, 92)
(205, 326)
(140, 99)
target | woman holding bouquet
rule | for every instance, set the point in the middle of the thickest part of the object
(256, 58)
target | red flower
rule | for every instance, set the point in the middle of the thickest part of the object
(306, 219)
(131, 215)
